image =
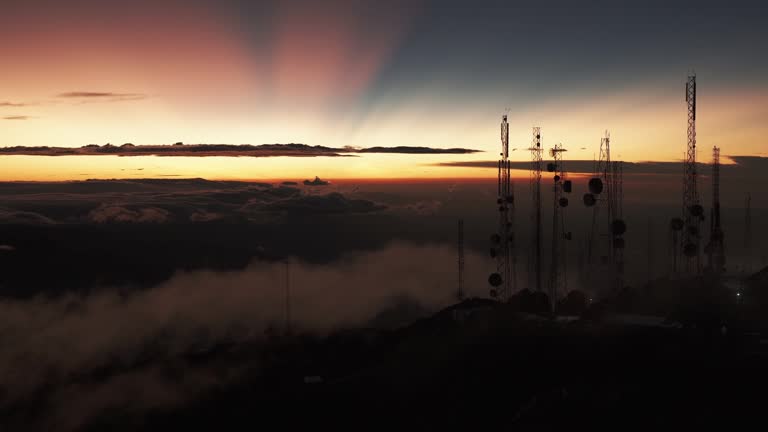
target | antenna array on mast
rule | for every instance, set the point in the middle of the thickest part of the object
(502, 243)
(693, 212)
(536, 167)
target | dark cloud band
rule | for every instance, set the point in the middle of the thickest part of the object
(198, 150)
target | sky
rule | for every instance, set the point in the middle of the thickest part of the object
(337, 73)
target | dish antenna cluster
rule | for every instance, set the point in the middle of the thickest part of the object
(502, 242)
(536, 167)
(561, 187)
(715, 248)
(605, 197)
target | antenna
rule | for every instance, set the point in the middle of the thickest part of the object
(618, 226)
(557, 281)
(715, 248)
(651, 262)
(288, 296)
(536, 166)
(748, 232)
(502, 242)
(460, 289)
(693, 212)
(605, 196)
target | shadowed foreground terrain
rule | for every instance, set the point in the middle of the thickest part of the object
(476, 364)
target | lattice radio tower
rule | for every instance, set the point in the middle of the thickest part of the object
(460, 294)
(601, 199)
(557, 280)
(715, 249)
(693, 212)
(502, 243)
(536, 167)
(618, 226)
(748, 233)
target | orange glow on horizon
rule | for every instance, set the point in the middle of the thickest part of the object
(205, 80)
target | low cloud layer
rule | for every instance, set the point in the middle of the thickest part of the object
(17, 117)
(745, 165)
(163, 201)
(108, 350)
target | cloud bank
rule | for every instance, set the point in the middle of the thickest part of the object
(108, 351)
(753, 165)
(202, 150)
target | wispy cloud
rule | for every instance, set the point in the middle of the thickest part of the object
(85, 96)
(7, 104)
(417, 150)
(17, 117)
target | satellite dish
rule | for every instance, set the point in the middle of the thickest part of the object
(618, 227)
(567, 186)
(676, 224)
(595, 185)
(563, 202)
(589, 200)
(551, 167)
(696, 210)
(494, 279)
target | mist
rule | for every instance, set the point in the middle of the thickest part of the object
(118, 350)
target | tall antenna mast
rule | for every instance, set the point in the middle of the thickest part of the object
(693, 212)
(536, 167)
(287, 296)
(748, 232)
(502, 241)
(651, 252)
(557, 281)
(602, 199)
(715, 249)
(460, 289)
(618, 226)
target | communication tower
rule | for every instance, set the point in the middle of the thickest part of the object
(288, 296)
(601, 198)
(748, 233)
(502, 242)
(536, 167)
(715, 249)
(558, 282)
(460, 289)
(618, 226)
(693, 212)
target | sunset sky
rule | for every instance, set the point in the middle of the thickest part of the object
(337, 73)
